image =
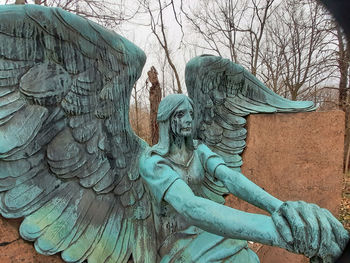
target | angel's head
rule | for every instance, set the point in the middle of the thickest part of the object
(175, 118)
(178, 110)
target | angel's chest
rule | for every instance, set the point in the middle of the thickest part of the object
(193, 174)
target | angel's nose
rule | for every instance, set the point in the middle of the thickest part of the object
(188, 118)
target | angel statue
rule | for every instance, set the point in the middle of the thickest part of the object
(90, 189)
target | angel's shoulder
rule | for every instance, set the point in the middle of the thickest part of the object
(151, 158)
(209, 159)
(202, 149)
(150, 161)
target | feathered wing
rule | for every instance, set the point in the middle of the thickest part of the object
(68, 157)
(224, 93)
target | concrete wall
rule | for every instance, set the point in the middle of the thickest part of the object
(292, 156)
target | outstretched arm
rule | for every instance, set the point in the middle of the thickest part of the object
(308, 228)
(243, 188)
(220, 219)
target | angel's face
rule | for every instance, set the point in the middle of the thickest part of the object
(182, 120)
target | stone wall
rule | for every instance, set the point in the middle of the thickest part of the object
(14, 249)
(293, 156)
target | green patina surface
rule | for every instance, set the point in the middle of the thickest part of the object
(89, 188)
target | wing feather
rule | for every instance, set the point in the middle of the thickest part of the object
(143, 238)
(34, 224)
(58, 225)
(94, 178)
(80, 247)
(32, 191)
(20, 131)
(121, 252)
(107, 242)
(78, 220)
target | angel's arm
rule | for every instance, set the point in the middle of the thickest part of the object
(243, 188)
(222, 220)
(290, 217)
(298, 223)
(235, 182)
(165, 184)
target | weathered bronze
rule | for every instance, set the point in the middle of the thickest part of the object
(89, 188)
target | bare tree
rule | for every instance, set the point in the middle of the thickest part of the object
(261, 11)
(343, 60)
(343, 63)
(215, 22)
(135, 97)
(108, 12)
(298, 47)
(159, 30)
(273, 65)
(139, 112)
(165, 72)
(234, 27)
(284, 43)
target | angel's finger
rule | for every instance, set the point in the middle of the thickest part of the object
(332, 253)
(298, 228)
(283, 227)
(326, 236)
(313, 230)
(340, 233)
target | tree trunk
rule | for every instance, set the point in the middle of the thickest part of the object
(344, 84)
(347, 130)
(294, 93)
(347, 139)
(136, 110)
(155, 95)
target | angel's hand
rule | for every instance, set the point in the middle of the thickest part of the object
(340, 234)
(314, 231)
(298, 225)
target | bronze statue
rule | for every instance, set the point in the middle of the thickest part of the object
(89, 188)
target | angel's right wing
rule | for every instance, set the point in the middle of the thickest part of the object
(68, 157)
(224, 94)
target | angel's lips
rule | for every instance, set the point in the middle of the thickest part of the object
(186, 129)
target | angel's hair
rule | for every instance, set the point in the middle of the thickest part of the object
(169, 104)
(166, 108)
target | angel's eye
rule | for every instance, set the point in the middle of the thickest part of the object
(180, 114)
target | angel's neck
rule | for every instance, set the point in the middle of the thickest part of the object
(179, 150)
(178, 143)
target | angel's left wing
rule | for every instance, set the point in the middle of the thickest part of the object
(224, 94)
